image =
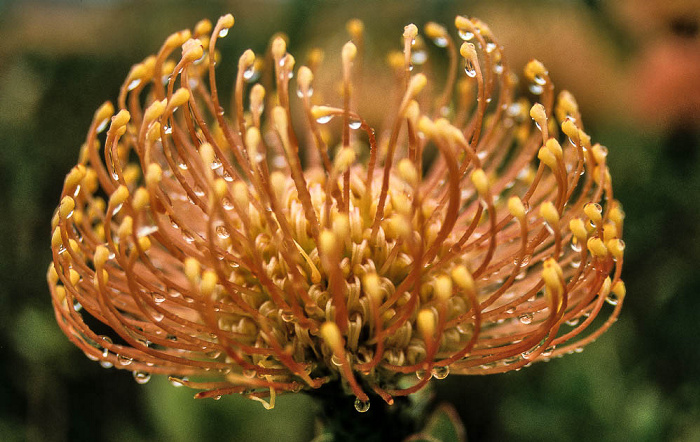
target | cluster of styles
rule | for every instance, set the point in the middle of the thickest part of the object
(287, 244)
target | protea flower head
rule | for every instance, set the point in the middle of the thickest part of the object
(285, 244)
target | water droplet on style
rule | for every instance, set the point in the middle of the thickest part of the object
(465, 35)
(441, 372)
(572, 322)
(309, 92)
(526, 318)
(612, 299)
(249, 72)
(440, 42)
(536, 89)
(324, 119)
(419, 57)
(134, 84)
(361, 406)
(103, 125)
(469, 69)
(124, 360)
(222, 232)
(177, 382)
(141, 377)
(523, 262)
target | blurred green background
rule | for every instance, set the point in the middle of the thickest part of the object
(634, 66)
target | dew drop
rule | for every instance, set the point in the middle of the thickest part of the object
(593, 206)
(465, 328)
(106, 364)
(309, 92)
(168, 129)
(250, 374)
(548, 351)
(324, 119)
(142, 377)
(573, 322)
(536, 89)
(177, 382)
(354, 124)
(158, 317)
(441, 372)
(514, 110)
(420, 374)
(523, 262)
(540, 80)
(124, 360)
(526, 318)
(189, 239)
(249, 73)
(440, 42)
(549, 228)
(146, 230)
(469, 69)
(529, 353)
(465, 35)
(102, 126)
(490, 47)
(217, 398)
(419, 57)
(361, 406)
(223, 33)
(612, 299)
(108, 341)
(134, 84)
(222, 232)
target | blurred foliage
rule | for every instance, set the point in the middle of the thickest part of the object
(60, 60)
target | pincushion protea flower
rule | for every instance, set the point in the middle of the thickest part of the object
(243, 252)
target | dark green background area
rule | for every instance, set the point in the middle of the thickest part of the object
(59, 60)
